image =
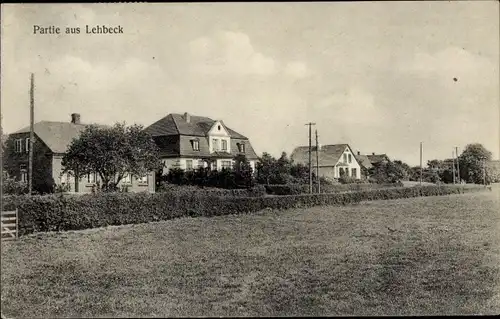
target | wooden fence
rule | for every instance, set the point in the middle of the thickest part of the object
(9, 223)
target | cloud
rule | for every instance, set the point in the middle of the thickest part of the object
(229, 52)
(451, 63)
(355, 106)
(296, 69)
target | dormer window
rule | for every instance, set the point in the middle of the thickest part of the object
(196, 144)
(241, 147)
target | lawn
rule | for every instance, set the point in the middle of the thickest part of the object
(419, 256)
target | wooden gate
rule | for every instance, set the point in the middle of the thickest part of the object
(9, 225)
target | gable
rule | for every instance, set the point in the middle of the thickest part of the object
(218, 129)
(347, 153)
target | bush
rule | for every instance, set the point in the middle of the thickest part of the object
(177, 190)
(74, 212)
(286, 189)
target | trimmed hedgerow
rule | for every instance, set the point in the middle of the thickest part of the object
(293, 189)
(60, 213)
(177, 190)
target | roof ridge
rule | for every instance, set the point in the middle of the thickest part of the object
(175, 123)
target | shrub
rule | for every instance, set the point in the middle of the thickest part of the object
(176, 190)
(286, 189)
(74, 212)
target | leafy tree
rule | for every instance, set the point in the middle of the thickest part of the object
(472, 162)
(243, 174)
(265, 168)
(112, 152)
(391, 172)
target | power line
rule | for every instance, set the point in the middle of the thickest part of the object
(310, 168)
(421, 163)
(317, 163)
(32, 111)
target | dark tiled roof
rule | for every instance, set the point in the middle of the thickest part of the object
(56, 135)
(364, 161)
(175, 124)
(329, 155)
(377, 158)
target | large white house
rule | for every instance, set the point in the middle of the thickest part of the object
(188, 142)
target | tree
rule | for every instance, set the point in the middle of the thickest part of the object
(472, 162)
(265, 168)
(391, 172)
(112, 152)
(243, 174)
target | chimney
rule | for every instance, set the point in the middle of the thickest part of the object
(373, 153)
(75, 118)
(187, 117)
(359, 153)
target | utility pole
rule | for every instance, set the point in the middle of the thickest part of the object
(454, 175)
(32, 111)
(310, 168)
(458, 166)
(421, 164)
(317, 163)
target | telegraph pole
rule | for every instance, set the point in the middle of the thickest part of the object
(458, 166)
(310, 168)
(421, 164)
(317, 163)
(454, 175)
(32, 111)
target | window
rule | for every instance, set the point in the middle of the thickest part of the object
(18, 145)
(214, 165)
(189, 165)
(215, 145)
(224, 145)
(350, 158)
(345, 158)
(91, 178)
(143, 179)
(24, 172)
(226, 164)
(218, 127)
(196, 145)
(200, 164)
(341, 171)
(241, 147)
(127, 179)
(27, 145)
(354, 172)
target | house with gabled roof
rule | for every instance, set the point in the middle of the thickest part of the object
(188, 142)
(365, 164)
(376, 159)
(51, 142)
(334, 160)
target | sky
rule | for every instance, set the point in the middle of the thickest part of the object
(381, 76)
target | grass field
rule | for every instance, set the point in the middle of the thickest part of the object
(419, 256)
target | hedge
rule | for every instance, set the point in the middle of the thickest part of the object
(292, 189)
(177, 190)
(61, 213)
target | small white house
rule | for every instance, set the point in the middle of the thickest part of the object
(334, 160)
